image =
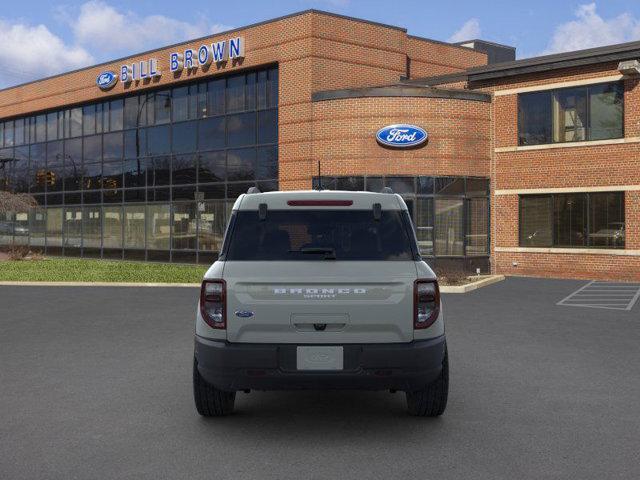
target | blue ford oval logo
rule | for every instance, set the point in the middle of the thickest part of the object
(401, 136)
(244, 313)
(106, 80)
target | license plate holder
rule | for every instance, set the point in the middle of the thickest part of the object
(320, 358)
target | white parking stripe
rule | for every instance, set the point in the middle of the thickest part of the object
(612, 296)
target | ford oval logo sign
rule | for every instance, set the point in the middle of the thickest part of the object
(244, 313)
(106, 80)
(401, 136)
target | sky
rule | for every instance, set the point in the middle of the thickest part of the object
(39, 38)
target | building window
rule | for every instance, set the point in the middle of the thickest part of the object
(574, 220)
(593, 112)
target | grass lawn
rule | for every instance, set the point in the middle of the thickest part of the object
(84, 270)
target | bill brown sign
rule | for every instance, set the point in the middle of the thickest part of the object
(189, 59)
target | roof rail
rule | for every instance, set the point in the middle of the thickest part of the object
(253, 190)
(386, 190)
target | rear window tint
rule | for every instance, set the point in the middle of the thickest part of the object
(321, 235)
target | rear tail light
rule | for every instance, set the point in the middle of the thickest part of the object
(213, 296)
(426, 303)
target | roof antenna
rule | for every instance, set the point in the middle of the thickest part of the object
(319, 177)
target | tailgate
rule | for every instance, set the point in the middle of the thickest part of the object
(320, 302)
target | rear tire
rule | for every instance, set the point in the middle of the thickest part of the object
(432, 401)
(210, 402)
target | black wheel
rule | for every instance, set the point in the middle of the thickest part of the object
(432, 401)
(210, 402)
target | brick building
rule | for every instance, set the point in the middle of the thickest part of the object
(529, 167)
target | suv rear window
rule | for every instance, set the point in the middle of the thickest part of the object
(321, 235)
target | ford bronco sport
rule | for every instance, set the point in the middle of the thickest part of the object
(320, 290)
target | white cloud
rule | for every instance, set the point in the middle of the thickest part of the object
(97, 32)
(104, 29)
(28, 52)
(591, 30)
(469, 31)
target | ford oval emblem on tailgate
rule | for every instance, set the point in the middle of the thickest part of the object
(244, 313)
(401, 136)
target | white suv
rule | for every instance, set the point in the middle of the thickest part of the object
(320, 290)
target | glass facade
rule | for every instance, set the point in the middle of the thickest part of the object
(450, 214)
(149, 176)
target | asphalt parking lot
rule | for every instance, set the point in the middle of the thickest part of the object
(96, 383)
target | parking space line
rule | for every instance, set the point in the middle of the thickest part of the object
(612, 296)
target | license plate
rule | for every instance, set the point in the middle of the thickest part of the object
(320, 358)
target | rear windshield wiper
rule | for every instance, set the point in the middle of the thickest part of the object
(329, 253)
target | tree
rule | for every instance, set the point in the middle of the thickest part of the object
(16, 202)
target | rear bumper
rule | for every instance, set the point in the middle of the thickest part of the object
(400, 366)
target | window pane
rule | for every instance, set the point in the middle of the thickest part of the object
(130, 112)
(41, 129)
(8, 134)
(73, 227)
(211, 167)
(449, 185)
(478, 226)
(215, 94)
(534, 118)
(159, 140)
(21, 168)
(607, 220)
(211, 225)
(134, 173)
(184, 137)
(536, 215)
(570, 115)
(250, 91)
(134, 226)
(75, 122)
(180, 103)
(241, 164)
(425, 185)
(400, 184)
(570, 220)
(37, 226)
(184, 169)
(112, 145)
(211, 133)
(235, 93)
(477, 186)
(449, 227)
(92, 149)
(38, 176)
(606, 104)
(267, 168)
(52, 126)
(89, 120)
(158, 227)
(55, 167)
(111, 175)
(159, 171)
(268, 126)
(162, 107)
(116, 117)
(72, 164)
(261, 89)
(135, 143)
(54, 227)
(112, 237)
(92, 227)
(374, 184)
(241, 129)
(272, 93)
(184, 226)
(424, 225)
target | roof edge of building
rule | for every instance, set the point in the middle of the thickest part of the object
(442, 42)
(243, 27)
(400, 90)
(555, 61)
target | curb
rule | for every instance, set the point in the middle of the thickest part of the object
(98, 284)
(472, 286)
